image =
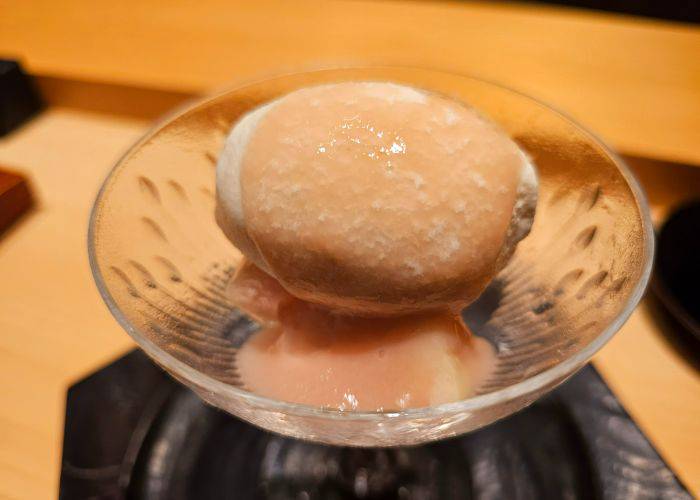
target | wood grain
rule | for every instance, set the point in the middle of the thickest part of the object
(636, 82)
(110, 98)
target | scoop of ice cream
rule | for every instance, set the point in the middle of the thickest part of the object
(374, 198)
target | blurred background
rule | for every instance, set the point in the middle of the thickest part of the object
(81, 81)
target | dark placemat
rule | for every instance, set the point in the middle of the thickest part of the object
(132, 432)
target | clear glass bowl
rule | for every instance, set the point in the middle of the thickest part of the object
(161, 263)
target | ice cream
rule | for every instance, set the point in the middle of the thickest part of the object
(370, 214)
(374, 198)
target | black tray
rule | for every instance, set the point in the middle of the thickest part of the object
(132, 432)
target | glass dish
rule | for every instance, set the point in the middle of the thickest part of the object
(161, 263)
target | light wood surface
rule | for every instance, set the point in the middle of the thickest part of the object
(635, 82)
(608, 71)
(55, 328)
(54, 325)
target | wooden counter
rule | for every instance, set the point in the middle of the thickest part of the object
(636, 82)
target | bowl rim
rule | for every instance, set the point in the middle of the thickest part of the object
(545, 379)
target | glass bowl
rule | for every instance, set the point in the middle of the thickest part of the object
(161, 263)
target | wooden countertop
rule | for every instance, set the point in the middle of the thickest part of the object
(635, 82)
(608, 71)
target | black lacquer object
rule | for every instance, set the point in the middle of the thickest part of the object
(19, 99)
(677, 270)
(133, 433)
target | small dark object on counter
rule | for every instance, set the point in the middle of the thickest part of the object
(19, 99)
(15, 197)
(677, 271)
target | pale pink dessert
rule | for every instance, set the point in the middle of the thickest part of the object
(349, 363)
(371, 213)
(306, 354)
(375, 198)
